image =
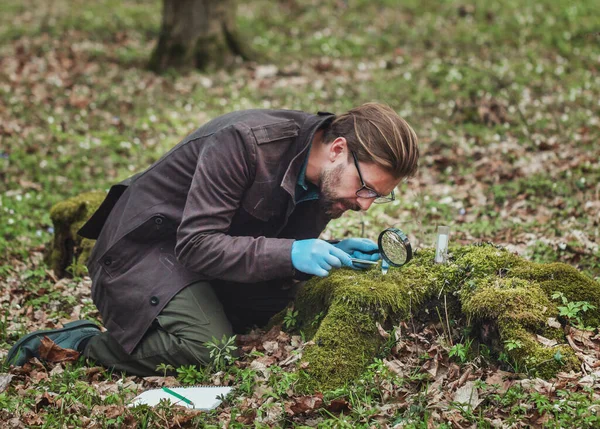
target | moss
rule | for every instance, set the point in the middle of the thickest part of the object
(492, 286)
(559, 277)
(67, 248)
(533, 356)
(346, 339)
(344, 345)
(516, 299)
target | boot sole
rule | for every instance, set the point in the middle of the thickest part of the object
(68, 327)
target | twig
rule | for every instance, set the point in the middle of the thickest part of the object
(437, 308)
(412, 321)
(447, 321)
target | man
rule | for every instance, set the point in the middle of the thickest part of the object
(204, 242)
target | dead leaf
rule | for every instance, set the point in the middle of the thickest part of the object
(431, 366)
(338, 405)
(294, 357)
(5, 381)
(553, 323)
(546, 342)
(43, 400)
(162, 381)
(571, 342)
(57, 370)
(591, 380)
(263, 363)
(270, 346)
(304, 404)
(537, 384)
(502, 379)
(583, 337)
(272, 415)
(247, 417)
(50, 352)
(180, 419)
(108, 411)
(467, 394)
(382, 331)
(395, 366)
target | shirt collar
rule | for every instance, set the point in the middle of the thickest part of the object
(298, 163)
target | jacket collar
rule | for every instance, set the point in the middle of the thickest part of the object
(305, 137)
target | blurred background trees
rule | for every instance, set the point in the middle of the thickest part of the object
(198, 34)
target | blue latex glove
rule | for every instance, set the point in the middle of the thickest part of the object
(318, 257)
(361, 248)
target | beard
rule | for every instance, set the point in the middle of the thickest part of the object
(334, 207)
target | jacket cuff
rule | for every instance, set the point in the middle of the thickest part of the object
(279, 252)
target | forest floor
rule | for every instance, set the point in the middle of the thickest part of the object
(504, 97)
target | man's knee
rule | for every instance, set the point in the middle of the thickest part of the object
(194, 316)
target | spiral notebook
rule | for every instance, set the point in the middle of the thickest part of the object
(201, 397)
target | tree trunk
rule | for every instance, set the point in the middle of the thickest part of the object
(197, 34)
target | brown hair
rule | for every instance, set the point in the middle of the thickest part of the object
(377, 134)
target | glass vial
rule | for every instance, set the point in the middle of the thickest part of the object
(441, 246)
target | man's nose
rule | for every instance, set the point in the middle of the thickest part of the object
(364, 203)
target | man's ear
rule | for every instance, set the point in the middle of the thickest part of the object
(337, 148)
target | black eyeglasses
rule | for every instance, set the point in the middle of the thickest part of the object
(366, 192)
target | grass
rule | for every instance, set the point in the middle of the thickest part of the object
(80, 112)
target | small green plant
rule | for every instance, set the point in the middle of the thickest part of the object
(512, 344)
(317, 320)
(191, 375)
(289, 320)
(245, 380)
(164, 368)
(512, 363)
(460, 350)
(558, 357)
(281, 381)
(573, 310)
(221, 352)
(76, 269)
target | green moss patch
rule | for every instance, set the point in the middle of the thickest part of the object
(69, 252)
(492, 285)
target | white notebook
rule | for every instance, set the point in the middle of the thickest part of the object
(203, 397)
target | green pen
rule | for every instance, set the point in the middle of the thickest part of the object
(177, 395)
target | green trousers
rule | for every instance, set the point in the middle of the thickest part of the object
(196, 314)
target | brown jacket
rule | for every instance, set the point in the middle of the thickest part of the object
(219, 205)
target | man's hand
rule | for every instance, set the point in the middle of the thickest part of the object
(318, 257)
(361, 248)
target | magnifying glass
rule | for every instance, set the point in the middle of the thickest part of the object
(394, 248)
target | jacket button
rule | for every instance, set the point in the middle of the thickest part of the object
(107, 261)
(154, 300)
(158, 220)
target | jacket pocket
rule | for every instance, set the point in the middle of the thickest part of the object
(274, 132)
(135, 245)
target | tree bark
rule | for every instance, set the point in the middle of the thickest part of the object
(198, 34)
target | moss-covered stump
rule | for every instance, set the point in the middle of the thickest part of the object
(488, 284)
(69, 252)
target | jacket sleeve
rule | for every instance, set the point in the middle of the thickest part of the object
(225, 169)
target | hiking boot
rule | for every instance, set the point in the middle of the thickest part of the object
(70, 336)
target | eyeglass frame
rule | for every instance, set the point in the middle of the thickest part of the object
(374, 194)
